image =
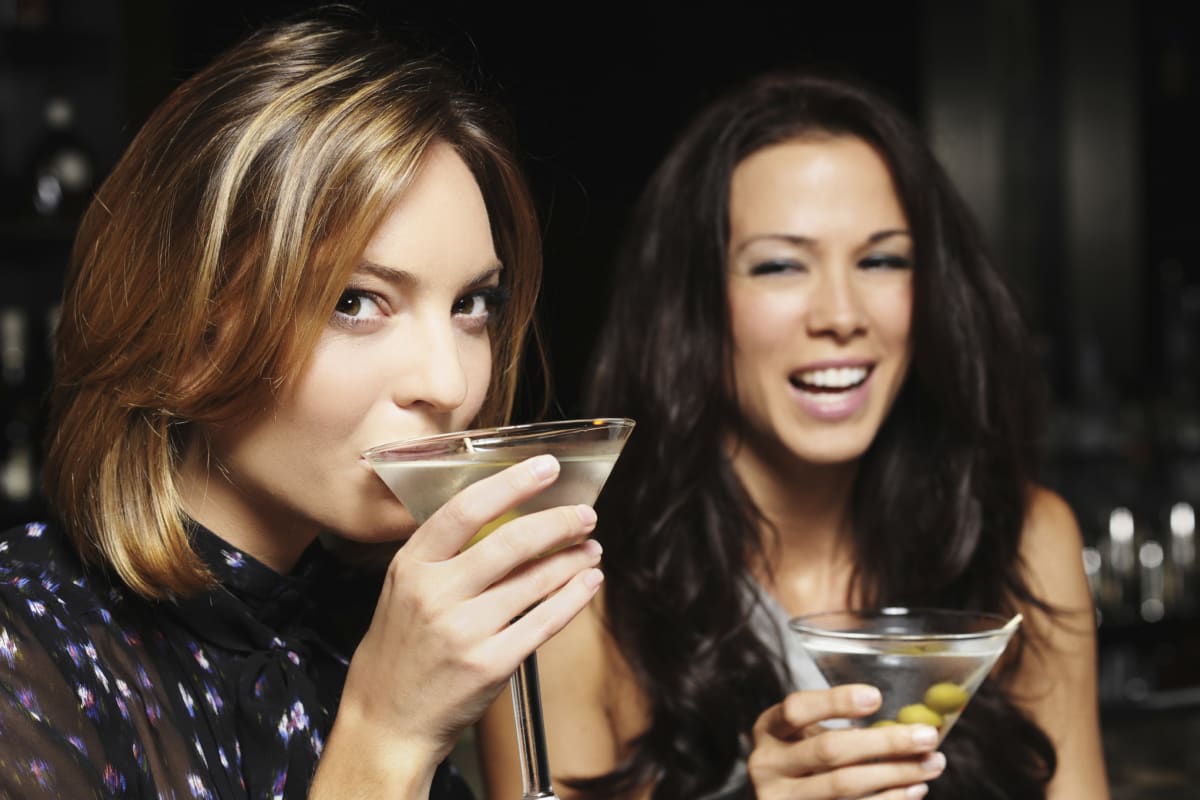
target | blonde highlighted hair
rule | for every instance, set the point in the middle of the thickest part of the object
(213, 254)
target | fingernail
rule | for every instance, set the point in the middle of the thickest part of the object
(592, 547)
(587, 514)
(544, 466)
(924, 734)
(935, 762)
(866, 696)
(593, 578)
(920, 790)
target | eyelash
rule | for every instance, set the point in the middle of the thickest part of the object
(886, 262)
(775, 267)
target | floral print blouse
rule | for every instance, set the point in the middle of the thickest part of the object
(229, 694)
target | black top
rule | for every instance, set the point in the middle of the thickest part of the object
(229, 694)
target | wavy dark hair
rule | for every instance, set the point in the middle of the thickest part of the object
(951, 464)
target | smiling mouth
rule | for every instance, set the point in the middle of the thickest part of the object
(830, 380)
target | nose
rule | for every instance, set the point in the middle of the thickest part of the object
(432, 372)
(835, 309)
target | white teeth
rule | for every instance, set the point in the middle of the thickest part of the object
(834, 377)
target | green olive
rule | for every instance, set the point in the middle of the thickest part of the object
(882, 723)
(919, 714)
(946, 698)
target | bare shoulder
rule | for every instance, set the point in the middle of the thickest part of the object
(1052, 551)
(1056, 683)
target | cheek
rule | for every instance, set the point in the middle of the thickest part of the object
(761, 323)
(332, 396)
(895, 315)
(887, 302)
(476, 357)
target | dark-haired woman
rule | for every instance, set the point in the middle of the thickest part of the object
(836, 401)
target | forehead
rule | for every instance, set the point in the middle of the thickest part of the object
(440, 221)
(834, 184)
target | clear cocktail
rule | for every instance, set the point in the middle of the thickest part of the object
(927, 663)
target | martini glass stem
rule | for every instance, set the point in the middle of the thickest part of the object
(531, 735)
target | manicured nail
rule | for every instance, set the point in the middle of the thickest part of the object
(920, 790)
(544, 466)
(587, 514)
(593, 578)
(934, 763)
(592, 547)
(866, 696)
(924, 735)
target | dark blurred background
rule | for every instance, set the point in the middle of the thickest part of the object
(1068, 125)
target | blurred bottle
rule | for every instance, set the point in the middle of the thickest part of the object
(1120, 591)
(17, 407)
(1181, 551)
(61, 167)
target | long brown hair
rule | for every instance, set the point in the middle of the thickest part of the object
(209, 262)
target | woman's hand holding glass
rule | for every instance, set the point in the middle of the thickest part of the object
(452, 625)
(795, 756)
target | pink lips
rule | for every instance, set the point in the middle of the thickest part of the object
(834, 405)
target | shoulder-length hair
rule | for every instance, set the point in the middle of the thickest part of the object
(213, 254)
(940, 496)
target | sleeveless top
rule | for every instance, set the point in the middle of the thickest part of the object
(770, 623)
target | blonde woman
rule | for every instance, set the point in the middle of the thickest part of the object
(315, 245)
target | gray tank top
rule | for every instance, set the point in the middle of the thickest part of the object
(770, 622)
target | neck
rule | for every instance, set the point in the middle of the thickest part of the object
(807, 549)
(210, 498)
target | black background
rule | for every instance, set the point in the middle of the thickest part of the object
(598, 91)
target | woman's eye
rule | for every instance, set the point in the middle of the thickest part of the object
(356, 306)
(482, 305)
(776, 267)
(885, 261)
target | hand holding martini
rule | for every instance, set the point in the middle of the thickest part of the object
(424, 473)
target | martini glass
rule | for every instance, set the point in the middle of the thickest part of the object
(927, 663)
(424, 473)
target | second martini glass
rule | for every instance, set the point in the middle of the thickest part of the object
(424, 473)
(926, 662)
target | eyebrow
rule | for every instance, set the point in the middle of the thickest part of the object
(808, 241)
(401, 277)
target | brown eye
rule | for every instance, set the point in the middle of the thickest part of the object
(356, 307)
(349, 304)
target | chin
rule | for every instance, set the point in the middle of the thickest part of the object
(829, 452)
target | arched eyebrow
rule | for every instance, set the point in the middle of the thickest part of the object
(879, 236)
(797, 241)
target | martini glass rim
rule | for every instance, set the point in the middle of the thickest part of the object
(497, 434)
(809, 624)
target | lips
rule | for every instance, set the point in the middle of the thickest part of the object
(832, 392)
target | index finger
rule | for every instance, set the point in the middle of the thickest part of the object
(449, 529)
(788, 720)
